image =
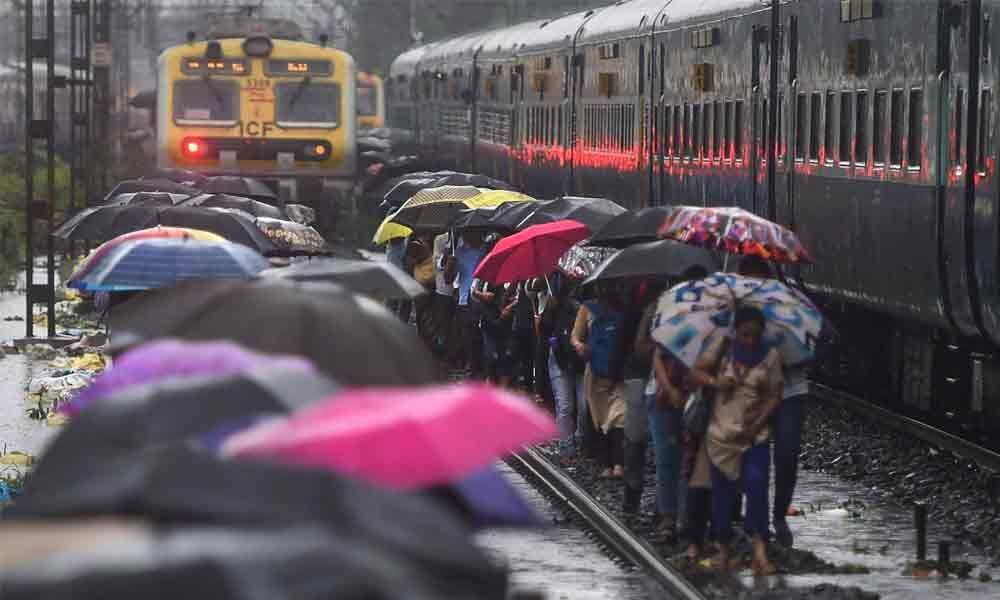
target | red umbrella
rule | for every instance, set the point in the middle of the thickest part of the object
(530, 253)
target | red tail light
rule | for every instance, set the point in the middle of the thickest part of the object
(193, 147)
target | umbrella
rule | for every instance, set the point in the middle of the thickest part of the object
(475, 180)
(253, 207)
(530, 253)
(580, 261)
(488, 499)
(160, 198)
(507, 217)
(151, 185)
(434, 209)
(185, 176)
(100, 217)
(174, 485)
(170, 359)
(301, 213)
(390, 230)
(734, 230)
(595, 213)
(145, 100)
(233, 225)
(401, 437)
(664, 258)
(291, 238)
(474, 218)
(152, 263)
(247, 187)
(351, 338)
(407, 186)
(690, 315)
(378, 279)
(631, 228)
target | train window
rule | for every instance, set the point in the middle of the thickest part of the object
(738, 131)
(718, 129)
(727, 134)
(985, 130)
(814, 116)
(685, 133)
(896, 129)
(642, 70)
(860, 128)
(676, 129)
(829, 121)
(777, 135)
(915, 130)
(844, 151)
(303, 104)
(959, 128)
(367, 100)
(695, 131)
(800, 128)
(706, 131)
(209, 102)
(878, 126)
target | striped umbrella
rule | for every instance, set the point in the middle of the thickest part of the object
(98, 254)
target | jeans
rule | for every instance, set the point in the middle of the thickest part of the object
(583, 424)
(787, 434)
(636, 432)
(665, 427)
(564, 393)
(755, 475)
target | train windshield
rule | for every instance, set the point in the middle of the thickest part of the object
(306, 104)
(206, 102)
(367, 100)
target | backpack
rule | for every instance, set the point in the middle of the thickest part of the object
(604, 339)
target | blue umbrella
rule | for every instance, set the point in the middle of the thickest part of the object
(145, 264)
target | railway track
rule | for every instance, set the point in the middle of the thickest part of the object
(617, 539)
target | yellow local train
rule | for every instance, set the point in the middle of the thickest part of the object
(255, 101)
(371, 101)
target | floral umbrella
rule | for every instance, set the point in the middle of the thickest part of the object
(733, 230)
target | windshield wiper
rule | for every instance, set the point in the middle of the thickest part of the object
(215, 90)
(299, 90)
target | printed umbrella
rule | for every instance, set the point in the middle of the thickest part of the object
(171, 359)
(151, 185)
(595, 213)
(663, 258)
(152, 263)
(247, 187)
(438, 215)
(690, 315)
(97, 254)
(390, 230)
(632, 227)
(734, 230)
(301, 213)
(247, 205)
(400, 437)
(374, 278)
(291, 238)
(351, 338)
(405, 188)
(530, 253)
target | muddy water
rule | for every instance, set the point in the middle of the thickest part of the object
(560, 561)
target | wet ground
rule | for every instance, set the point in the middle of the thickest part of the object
(560, 561)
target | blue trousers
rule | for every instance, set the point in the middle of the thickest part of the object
(787, 432)
(564, 393)
(755, 474)
(665, 427)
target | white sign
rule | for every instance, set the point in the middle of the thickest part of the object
(100, 55)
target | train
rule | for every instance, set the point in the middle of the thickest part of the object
(371, 102)
(869, 127)
(254, 99)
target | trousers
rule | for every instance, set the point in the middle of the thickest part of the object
(636, 433)
(564, 392)
(755, 475)
(665, 427)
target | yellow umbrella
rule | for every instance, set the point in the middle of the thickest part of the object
(433, 209)
(389, 230)
(494, 198)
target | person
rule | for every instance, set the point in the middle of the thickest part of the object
(556, 327)
(499, 358)
(597, 335)
(395, 255)
(442, 301)
(419, 263)
(524, 337)
(747, 377)
(458, 270)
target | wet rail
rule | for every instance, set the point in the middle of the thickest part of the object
(618, 539)
(960, 447)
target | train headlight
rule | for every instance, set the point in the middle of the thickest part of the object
(317, 150)
(193, 147)
(258, 46)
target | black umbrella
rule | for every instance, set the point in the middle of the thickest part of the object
(406, 189)
(151, 185)
(185, 176)
(595, 213)
(247, 187)
(117, 220)
(247, 205)
(662, 258)
(351, 338)
(293, 239)
(101, 218)
(476, 218)
(301, 213)
(631, 228)
(159, 198)
(508, 216)
(374, 278)
(176, 484)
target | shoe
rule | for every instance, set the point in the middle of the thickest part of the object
(632, 501)
(782, 534)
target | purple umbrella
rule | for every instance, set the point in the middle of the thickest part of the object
(174, 359)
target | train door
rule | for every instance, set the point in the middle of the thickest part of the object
(782, 205)
(987, 201)
(660, 130)
(762, 92)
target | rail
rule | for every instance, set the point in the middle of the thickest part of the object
(619, 539)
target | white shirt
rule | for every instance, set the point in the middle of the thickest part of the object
(441, 243)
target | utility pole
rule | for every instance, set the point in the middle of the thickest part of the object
(101, 121)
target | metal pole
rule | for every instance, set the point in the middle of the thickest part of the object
(772, 112)
(50, 151)
(29, 164)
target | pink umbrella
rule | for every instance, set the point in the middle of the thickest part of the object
(401, 438)
(530, 253)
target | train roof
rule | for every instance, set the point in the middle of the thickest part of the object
(682, 11)
(504, 43)
(555, 33)
(624, 19)
(406, 63)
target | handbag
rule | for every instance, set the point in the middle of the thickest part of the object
(698, 408)
(424, 272)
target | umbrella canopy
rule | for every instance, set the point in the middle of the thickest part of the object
(474, 218)
(185, 176)
(405, 187)
(151, 185)
(97, 218)
(390, 230)
(475, 180)
(234, 226)
(161, 198)
(152, 263)
(595, 213)
(171, 359)
(665, 258)
(631, 228)
(733, 230)
(401, 438)
(301, 213)
(291, 238)
(378, 279)
(247, 187)
(508, 216)
(488, 499)
(177, 485)
(433, 210)
(690, 315)
(530, 253)
(253, 207)
(351, 338)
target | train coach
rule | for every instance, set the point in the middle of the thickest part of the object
(867, 126)
(370, 101)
